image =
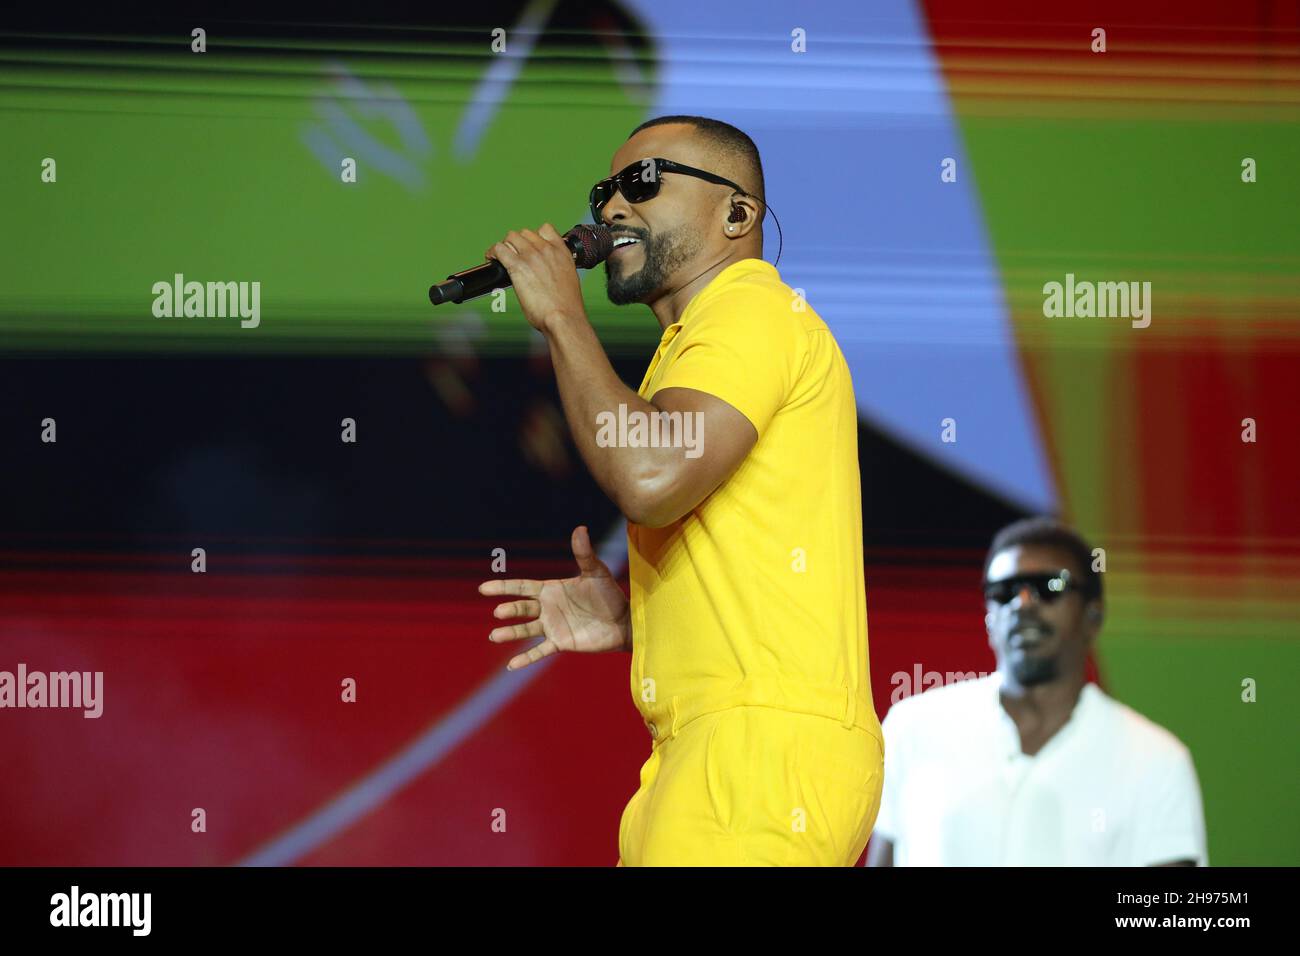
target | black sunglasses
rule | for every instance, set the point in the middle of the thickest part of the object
(640, 181)
(1047, 586)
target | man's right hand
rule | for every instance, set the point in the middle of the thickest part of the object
(587, 613)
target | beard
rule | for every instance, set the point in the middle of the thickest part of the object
(664, 255)
(1032, 671)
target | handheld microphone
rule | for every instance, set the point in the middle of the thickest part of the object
(590, 246)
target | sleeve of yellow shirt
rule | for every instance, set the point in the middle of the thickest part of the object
(745, 347)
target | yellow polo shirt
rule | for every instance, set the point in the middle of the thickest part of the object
(763, 579)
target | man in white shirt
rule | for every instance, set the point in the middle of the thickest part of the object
(1032, 765)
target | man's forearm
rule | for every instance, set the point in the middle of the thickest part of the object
(589, 386)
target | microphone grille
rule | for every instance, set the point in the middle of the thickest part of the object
(594, 244)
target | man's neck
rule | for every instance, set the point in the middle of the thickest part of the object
(669, 307)
(1042, 710)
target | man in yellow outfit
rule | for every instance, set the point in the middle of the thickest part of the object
(736, 466)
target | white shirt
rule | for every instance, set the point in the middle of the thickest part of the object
(1111, 788)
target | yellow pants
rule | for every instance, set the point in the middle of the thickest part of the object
(754, 785)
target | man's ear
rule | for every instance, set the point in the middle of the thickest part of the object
(744, 213)
(1095, 614)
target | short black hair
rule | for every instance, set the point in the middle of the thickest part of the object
(725, 138)
(1042, 530)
